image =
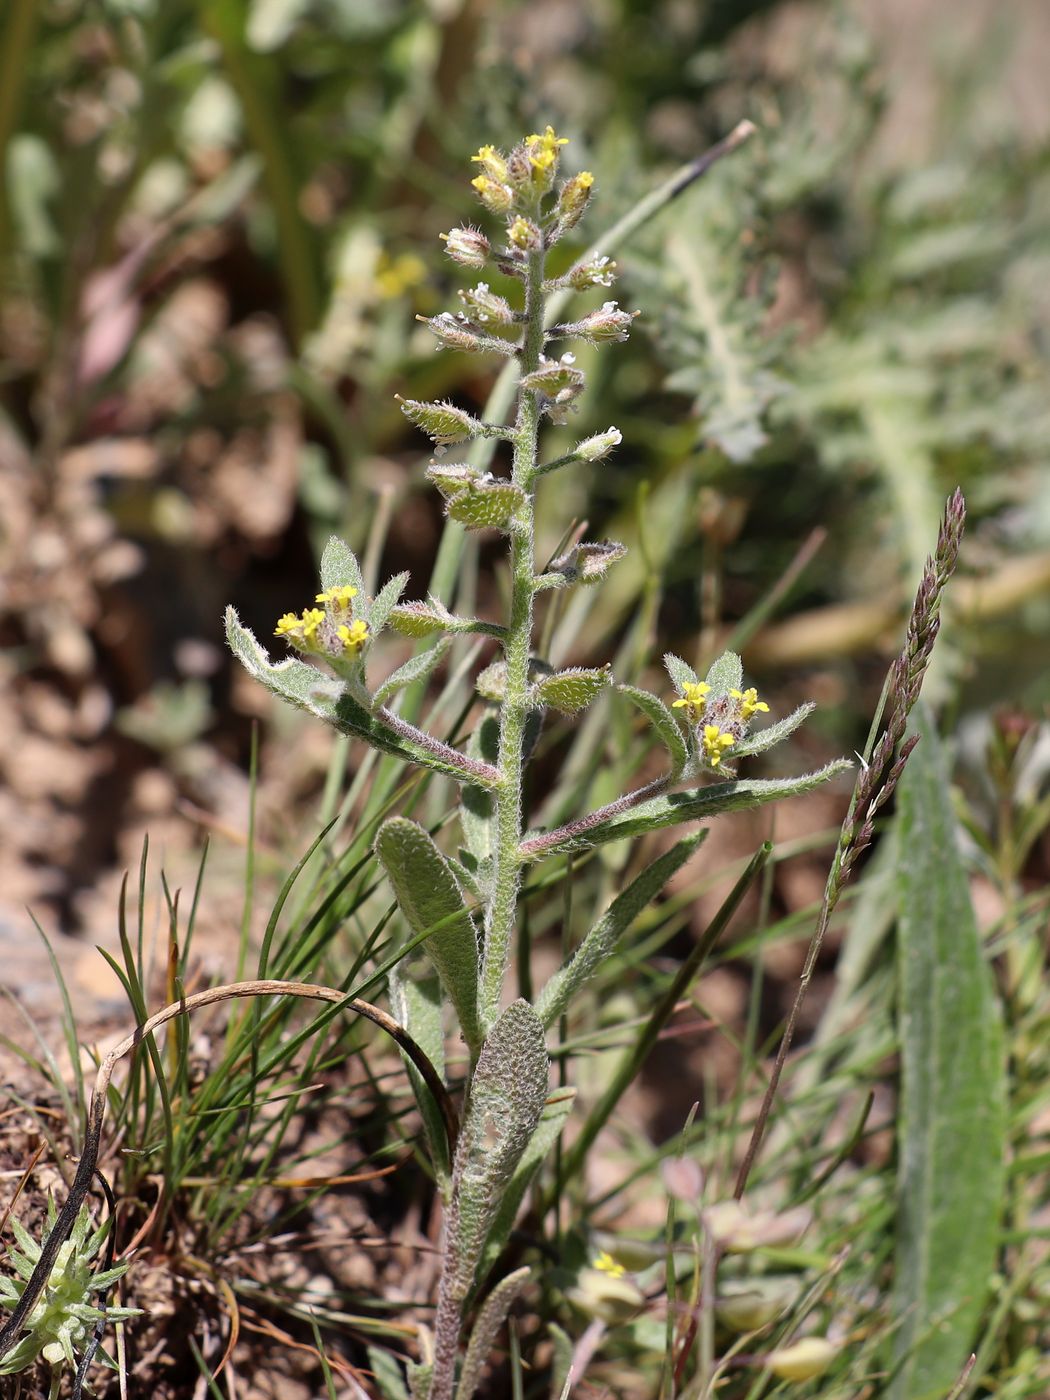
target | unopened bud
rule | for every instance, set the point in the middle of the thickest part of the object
(468, 246)
(519, 167)
(593, 449)
(572, 200)
(495, 196)
(492, 162)
(444, 422)
(456, 333)
(596, 272)
(486, 307)
(803, 1359)
(525, 235)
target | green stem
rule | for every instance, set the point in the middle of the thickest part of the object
(499, 921)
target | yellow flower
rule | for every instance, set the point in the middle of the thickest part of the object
(608, 1265)
(395, 276)
(494, 195)
(311, 621)
(543, 150)
(692, 699)
(353, 637)
(339, 596)
(288, 625)
(491, 161)
(715, 744)
(749, 703)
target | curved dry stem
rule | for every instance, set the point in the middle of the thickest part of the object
(97, 1107)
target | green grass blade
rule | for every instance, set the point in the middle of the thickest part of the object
(952, 1134)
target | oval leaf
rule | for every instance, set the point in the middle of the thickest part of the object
(726, 674)
(663, 721)
(431, 901)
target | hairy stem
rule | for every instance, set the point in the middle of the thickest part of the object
(499, 922)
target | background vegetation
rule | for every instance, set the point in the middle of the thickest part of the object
(218, 222)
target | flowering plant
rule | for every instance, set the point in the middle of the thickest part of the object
(463, 909)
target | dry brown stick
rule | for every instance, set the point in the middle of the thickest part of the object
(311, 991)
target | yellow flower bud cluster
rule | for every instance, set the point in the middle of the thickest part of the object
(721, 720)
(330, 631)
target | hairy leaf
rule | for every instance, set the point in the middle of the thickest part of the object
(339, 567)
(507, 1094)
(415, 1000)
(953, 1092)
(491, 1318)
(432, 902)
(416, 668)
(677, 807)
(602, 939)
(680, 672)
(764, 739)
(487, 505)
(385, 601)
(663, 721)
(726, 674)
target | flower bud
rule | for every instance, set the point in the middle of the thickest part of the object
(486, 307)
(525, 235)
(456, 333)
(596, 272)
(493, 163)
(444, 422)
(519, 167)
(495, 196)
(467, 246)
(593, 449)
(572, 200)
(803, 1359)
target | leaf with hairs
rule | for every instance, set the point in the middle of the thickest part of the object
(385, 601)
(726, 674)
(602, 939)
(416, 668)
(952, 1146)
(507, 1095)
(663, 721)
(680, 672)
(339, 568)
(431, 901)
(764, 739)
(491, 1318)
(677, 807)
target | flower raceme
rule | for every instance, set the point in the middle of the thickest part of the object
(331, 631)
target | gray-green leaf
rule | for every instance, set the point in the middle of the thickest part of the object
(339, 567)
(602, 939)
(432, 902)
(491, 1318)
(680, 672)
(663, 721)
(677, 807)
(416, 668)
(385, 601)
(726, 674)
(764, 739)
(415, 1000)
(507, 1095)
(953, 1092)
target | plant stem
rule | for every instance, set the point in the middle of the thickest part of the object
(499, 921)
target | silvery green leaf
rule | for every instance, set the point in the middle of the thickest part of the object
(491, 1318)
(663, 721)
(556, 1111)
(726, 674)
(415, 1001)
(339, 567)
(507, 1095)
(570, 691)
(385, 601)
(603, 937)
(764, 739)
(477, 807)
(387, 1373)
(680, 672)
(416, 668)
(677, 807)
(432, 902)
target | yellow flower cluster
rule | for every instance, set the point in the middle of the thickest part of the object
(605, 1263)
(304, 630)
(692, 699)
